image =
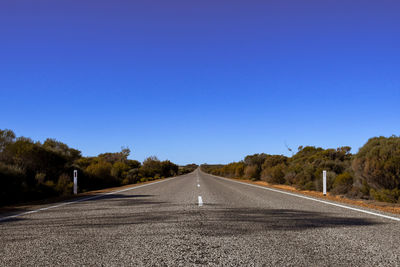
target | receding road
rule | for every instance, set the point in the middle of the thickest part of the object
(198, 219)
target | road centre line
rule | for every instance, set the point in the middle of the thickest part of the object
(80, 200)
(313, 199)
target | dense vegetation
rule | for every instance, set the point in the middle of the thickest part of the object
(32, 170)
(372, 173)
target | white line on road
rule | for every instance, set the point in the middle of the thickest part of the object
(313, 199)
(200, 201)
(198, 185)
(79, 200)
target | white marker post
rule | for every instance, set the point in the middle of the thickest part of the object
(324, 182)
(75, 182)
(200, 201)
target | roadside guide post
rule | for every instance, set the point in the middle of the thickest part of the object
(75, 182)
(324, 182)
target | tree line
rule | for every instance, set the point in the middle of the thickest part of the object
(372, 173)
(31, 170)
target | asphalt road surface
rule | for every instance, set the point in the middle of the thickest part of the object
(198, 219)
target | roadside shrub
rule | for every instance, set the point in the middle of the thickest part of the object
(373, 173)
(273, 169)
(251, 172)
(187, 168)
(119, 169)
(168, 169)
(378, 163)
(150, 167)
(13, 183)
(46, 189)
(275, 174)
(31, 170)
(310, 185)
(50, 184)
(100, 169)
(342, 184)
(239, 170)
(64, 185)
(40, 177)
(132, 177)
(386, 195)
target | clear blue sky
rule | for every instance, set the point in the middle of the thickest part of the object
(200, 81)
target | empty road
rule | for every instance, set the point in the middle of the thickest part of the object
(199, 219)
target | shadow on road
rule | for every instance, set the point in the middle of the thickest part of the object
(222, 222)
(213, 220)
(117, 196)
(119, 199)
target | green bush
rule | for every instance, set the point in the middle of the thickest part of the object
(251, 172)
(386, 195)
(274, 169)
(32, 170)
(64, 185)
(150, 167)
(378, 163)
(275, 174)
(187, 168)
(119, 170)
(342, 184)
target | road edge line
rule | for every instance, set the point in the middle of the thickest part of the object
(81, 200)
(310, 198)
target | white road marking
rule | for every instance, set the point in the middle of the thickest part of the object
(200, 201)
(198, 185)
(314, 199)
(79, 200)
